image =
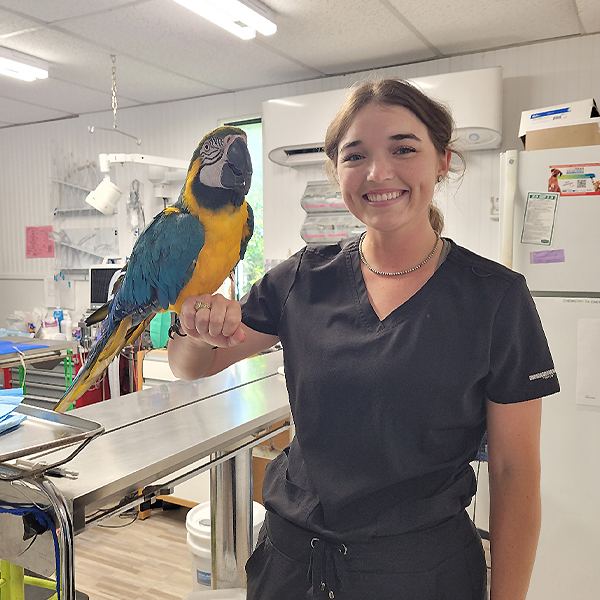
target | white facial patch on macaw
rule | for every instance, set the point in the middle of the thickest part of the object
(210, 175)
(212, 157)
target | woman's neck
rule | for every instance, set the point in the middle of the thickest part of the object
(398, 251)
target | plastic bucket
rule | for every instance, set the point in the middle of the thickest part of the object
(232, 594)
(198, 539)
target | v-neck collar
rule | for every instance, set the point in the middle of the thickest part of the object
(400, 313)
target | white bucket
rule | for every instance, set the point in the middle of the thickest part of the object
(232, 594)
(198, 539)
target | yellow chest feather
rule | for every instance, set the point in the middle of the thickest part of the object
(223, 231)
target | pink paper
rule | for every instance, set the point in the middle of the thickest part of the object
(547, 256)
(38, 243)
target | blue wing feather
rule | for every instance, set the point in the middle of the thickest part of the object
(161, 263)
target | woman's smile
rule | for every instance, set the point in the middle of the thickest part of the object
(378, 196)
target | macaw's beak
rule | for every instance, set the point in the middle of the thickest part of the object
(237, 172)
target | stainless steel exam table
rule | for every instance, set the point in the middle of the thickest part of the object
(153, 434)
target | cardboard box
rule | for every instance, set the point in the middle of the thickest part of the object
(567, 136)
(560, 126)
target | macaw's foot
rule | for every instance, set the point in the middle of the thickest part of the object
(175, 328)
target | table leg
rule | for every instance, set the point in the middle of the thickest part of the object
(231, 520)
(7, 378)
(65, 523)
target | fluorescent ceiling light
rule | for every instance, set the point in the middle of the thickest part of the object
(243, 19)
(22, 66)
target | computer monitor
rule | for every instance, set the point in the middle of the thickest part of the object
(100, 278)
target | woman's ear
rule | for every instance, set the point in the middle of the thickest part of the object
(444, 164)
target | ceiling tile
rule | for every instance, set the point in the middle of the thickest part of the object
(346, 36)
(188, 45)
(52, 11)
(471, 25)
(88, 67)
(165, 52)
(23, 112)
(11, 23)
(589, 13)
(58, 95)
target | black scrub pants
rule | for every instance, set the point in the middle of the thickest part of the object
(445, 562)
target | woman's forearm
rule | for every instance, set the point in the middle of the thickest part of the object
(189, 358)
(515, 519)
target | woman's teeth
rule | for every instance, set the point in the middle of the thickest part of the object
(383, 197)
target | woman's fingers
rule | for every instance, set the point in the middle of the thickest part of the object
(214, 319)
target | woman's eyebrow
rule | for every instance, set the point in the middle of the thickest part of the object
(350, 145)
(405, 136)
(396, 137)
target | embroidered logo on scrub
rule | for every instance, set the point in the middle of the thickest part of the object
(543, 375)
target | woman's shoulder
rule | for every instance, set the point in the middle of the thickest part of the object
(306, 259)
(315, 254)
(463, 258)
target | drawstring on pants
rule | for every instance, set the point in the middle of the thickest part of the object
(327, 568)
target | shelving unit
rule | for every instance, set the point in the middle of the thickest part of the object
(82, 235)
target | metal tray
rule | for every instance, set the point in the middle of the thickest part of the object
(43, 430)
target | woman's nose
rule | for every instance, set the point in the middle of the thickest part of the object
(380, 169)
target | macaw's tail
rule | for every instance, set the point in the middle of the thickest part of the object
(111, 342)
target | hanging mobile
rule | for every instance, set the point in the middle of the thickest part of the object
(113, 89)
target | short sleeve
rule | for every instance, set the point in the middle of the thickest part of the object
(521, 366)
(263, 304)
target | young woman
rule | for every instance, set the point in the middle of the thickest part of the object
(401, 349)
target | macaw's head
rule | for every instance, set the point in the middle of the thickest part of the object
(220, 171)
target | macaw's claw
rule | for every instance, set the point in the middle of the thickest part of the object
(175, 328)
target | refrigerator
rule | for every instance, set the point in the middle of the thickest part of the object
(551, 234)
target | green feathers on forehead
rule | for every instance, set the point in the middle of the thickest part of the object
(219, 132)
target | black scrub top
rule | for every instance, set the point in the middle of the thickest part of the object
(390, 413)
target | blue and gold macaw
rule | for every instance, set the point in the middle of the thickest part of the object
(189, 249)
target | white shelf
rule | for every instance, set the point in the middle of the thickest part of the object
(78, 187)
(80, 249)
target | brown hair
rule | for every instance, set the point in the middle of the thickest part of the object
(394, 92)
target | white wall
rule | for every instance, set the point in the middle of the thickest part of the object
(534, 76)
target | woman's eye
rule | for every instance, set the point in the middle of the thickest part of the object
(404, 150)
(351, 157)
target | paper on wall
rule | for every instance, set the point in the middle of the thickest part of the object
(538, 221)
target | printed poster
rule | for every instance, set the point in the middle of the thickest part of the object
(38, 242)
(575, 180)
(540, 214)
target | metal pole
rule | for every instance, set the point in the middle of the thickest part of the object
(231, 520)
(65, 522)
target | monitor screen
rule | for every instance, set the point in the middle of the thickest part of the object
(100, 278)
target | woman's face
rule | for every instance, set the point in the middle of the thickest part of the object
(388, 167)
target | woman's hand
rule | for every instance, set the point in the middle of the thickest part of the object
(215, 337)
(214, 320)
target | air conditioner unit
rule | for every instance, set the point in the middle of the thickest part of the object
(294, 127)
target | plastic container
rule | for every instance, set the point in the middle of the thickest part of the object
(231, 594)
(66, 326)
(198, 539)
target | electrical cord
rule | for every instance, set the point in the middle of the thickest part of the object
(125, 515)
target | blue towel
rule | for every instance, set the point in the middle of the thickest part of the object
(10, 348)
(9, 400)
